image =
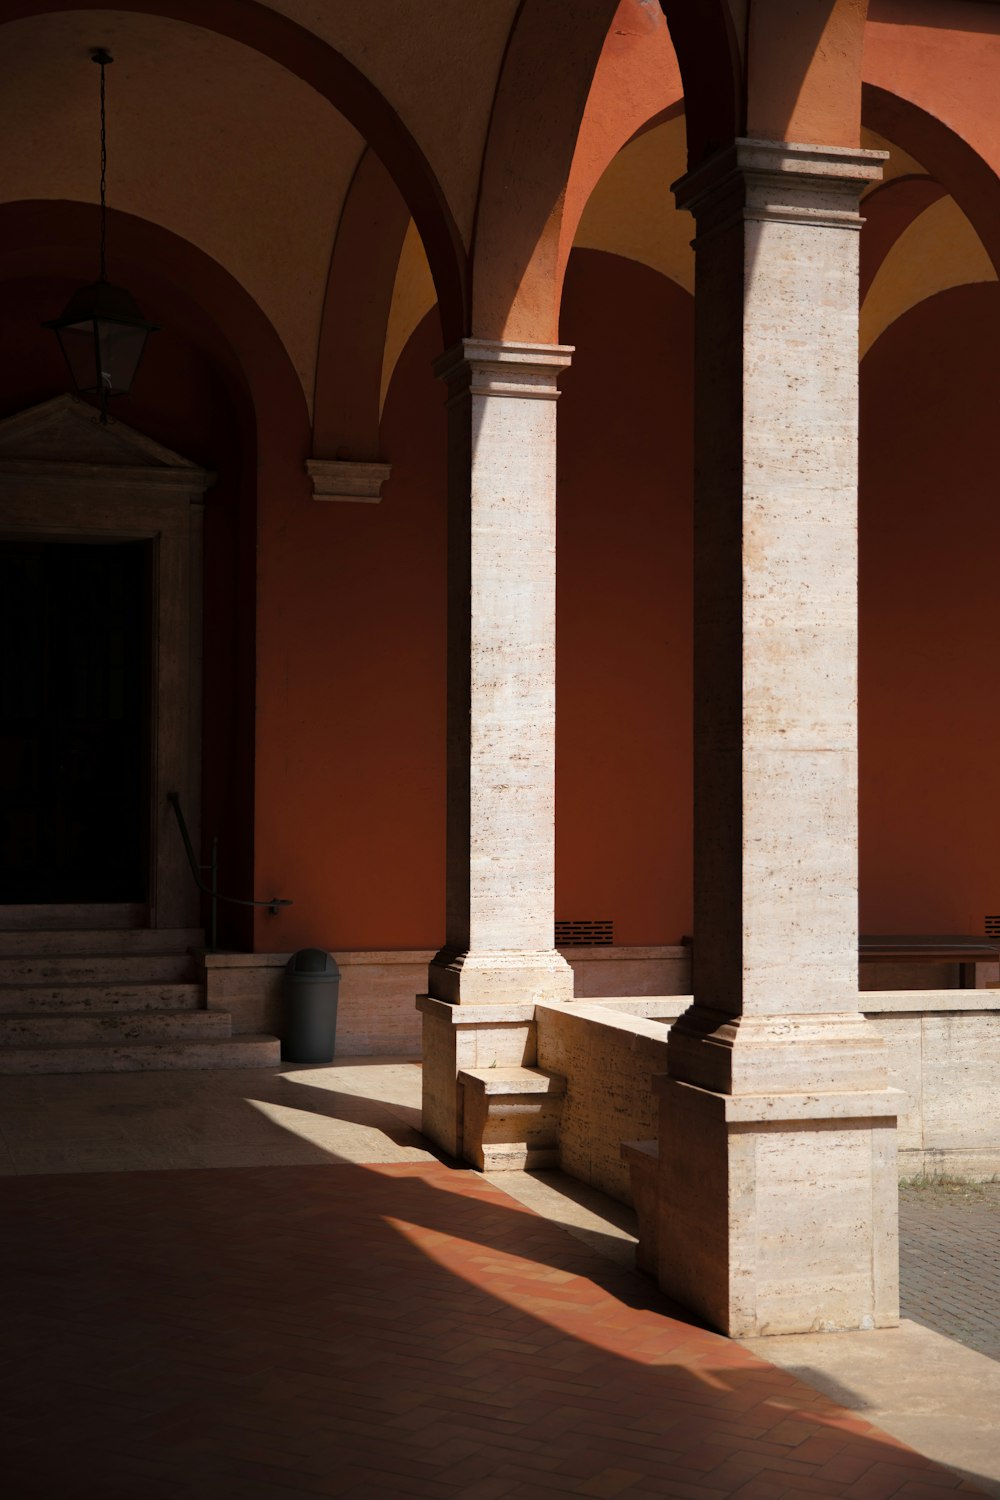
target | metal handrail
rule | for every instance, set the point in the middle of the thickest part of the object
(274, 904)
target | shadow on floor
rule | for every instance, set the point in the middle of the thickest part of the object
(364, 1331)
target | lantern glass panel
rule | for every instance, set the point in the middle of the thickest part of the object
(121, 346)
(77, 340)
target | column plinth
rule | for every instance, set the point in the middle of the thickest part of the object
(494, 976)
(777, 1177)
(499, 947)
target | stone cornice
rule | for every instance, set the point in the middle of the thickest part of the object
(484, 367)
(56, 475)
(347, 480)
(779, 181)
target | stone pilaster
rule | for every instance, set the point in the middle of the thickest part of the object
(501, 701)
(777, 1180)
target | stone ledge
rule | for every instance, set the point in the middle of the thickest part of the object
(891, 1002)
(738, 1109)
(611, 952)
(352, 958)
(476, 1015)
(598, 1014)
(871, 1003)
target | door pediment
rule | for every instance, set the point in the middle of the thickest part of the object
(65, 437)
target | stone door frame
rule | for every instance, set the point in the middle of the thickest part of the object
(65, 476)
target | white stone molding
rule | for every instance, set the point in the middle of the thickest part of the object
(64, 473)
(482, 367)
(347, 480)
(781, 182)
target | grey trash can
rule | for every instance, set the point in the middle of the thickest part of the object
(310, 991)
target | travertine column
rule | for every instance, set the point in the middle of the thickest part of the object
(499, 954)
(777, 1131)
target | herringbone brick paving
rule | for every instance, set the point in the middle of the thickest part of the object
(379, 1331)
(949, 1251)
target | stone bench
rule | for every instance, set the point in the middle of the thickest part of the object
(510, 1118)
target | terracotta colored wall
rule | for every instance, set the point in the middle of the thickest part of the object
(623, 731)
(930, 626)
(351, 695)
(351, 691)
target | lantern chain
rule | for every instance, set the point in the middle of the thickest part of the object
(103, 57)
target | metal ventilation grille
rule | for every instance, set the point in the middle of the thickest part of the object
(992, 926)
(588, 934)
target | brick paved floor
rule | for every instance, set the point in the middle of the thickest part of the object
(404, 1329)
(949, 1254)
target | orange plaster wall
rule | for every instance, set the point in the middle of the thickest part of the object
(623, 687)
(804, 71)
(636, 79)
(351, 693)
(944, 55)
(930, 628)
(351, 649)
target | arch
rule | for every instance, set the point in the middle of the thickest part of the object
(955, 164)
(363, 269)
(540, 98)
(634, 90)
(803, 71)
(543, 156)
(57, 237)
(888, 211)
(327, 71)
(794, 74)
(708, 53)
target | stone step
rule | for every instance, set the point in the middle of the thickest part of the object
(74, 916)
(113, 1027)
(138, 1057)
(97, 968)
(511, 1118)
(513, 1082)
(117, 940)
(87, 999)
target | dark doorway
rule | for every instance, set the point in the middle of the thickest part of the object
(74, 654)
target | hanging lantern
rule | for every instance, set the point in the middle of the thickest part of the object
(101, 332)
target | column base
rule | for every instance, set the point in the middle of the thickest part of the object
(502, 976)
(778, 1212)
(458, 1037)
(828, 1051)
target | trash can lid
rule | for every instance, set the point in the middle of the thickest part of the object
(312, 961)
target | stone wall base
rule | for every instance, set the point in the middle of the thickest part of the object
(609, 1050)
(377, 1016)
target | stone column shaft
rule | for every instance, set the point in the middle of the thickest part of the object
(499, 957)
(501, 676)
(776, 576)
(777, 1148)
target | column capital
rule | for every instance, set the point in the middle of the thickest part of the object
(781, 181)
(494, 367)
